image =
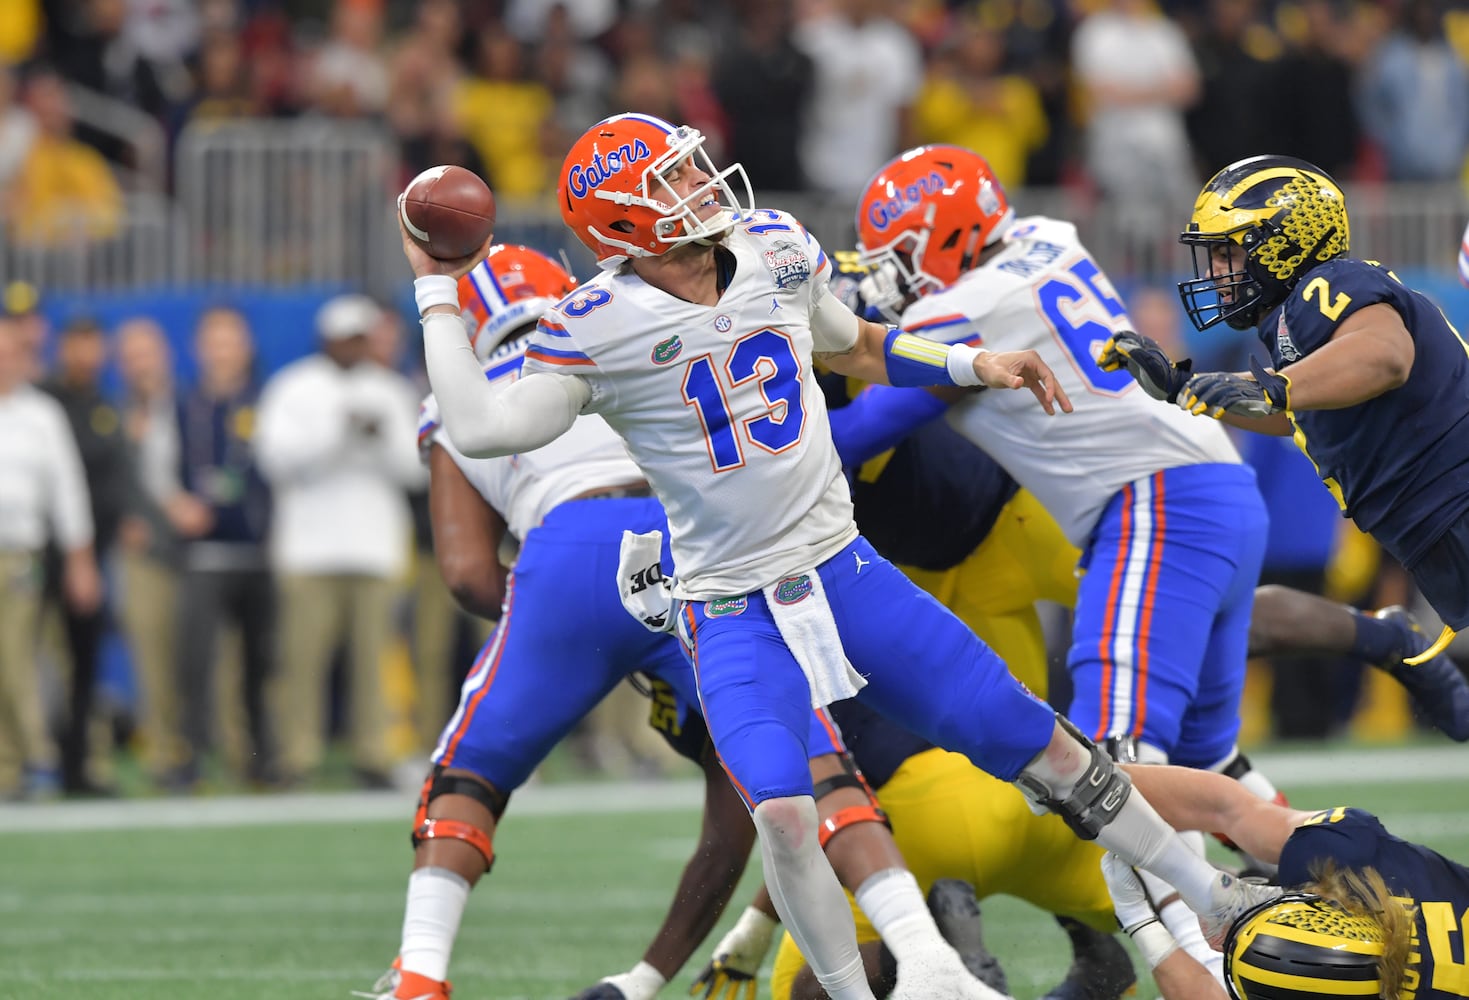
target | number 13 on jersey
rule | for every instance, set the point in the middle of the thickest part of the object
(767, 356)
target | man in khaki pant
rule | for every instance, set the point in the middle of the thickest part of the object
(41, 485)
(336, 438)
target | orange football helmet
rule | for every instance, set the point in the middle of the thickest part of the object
(614, 198)
(507, 290)
(928, 213)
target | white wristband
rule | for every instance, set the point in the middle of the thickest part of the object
(960, 361)
(435, 290)
(755, 925)
(1153, 942)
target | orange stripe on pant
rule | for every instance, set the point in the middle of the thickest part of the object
(1150, 592)
(693, 648)
(1109, 624)
(502, 634)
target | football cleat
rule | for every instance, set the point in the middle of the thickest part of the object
(1232, 898)
(396, 984)
(1437, 686)
(1100, 968)
(956, 913)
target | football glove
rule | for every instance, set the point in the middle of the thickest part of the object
(1129, 898)
(1146, 362)
(1213, 394)
(737, 958)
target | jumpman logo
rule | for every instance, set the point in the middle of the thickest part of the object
(774, 303)
(860, 561)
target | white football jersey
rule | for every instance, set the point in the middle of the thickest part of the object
(1043, 292)
(524, 488)
(719, 407)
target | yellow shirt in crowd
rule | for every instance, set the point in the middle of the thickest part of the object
(64, 190)
(503, 119)
(1005, 128)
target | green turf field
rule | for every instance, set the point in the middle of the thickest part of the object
(195, 904)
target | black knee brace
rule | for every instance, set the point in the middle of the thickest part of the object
(1096, 797)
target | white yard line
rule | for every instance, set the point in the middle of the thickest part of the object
(1338, 768)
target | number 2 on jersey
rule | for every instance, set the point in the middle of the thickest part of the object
(1080, 294)
(769, 356)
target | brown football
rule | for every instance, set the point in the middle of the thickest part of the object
(448, 211)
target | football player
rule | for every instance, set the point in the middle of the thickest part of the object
(1363, 913)
(1366, 374)
(1169, 521)
(570, 503)
(950, 821)
(964, 530)
(696, 345)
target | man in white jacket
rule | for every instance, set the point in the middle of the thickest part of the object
(335, 437)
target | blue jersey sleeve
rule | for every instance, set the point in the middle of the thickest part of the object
(1348, 837)
(878, 418)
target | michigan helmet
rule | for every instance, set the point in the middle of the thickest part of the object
(615, 199)
(507, 291)
(928, 213)
(1274, 218)
(1301, 945)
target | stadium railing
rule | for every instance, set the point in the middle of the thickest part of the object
(310, 202)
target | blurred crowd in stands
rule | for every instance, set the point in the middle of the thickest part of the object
(257, 541)
(1119, 96)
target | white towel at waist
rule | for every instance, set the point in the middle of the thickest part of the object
(801, 612)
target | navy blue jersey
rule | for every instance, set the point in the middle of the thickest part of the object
(1399, 463)
(934, 497)
(1439, 888)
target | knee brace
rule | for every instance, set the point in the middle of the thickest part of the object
(439, 783)
(1131, 750)
(1087, 803)
(872, 812)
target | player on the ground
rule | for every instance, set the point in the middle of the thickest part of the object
(696, 346)
(1368, 376)
(1363, 914)
(570, 503)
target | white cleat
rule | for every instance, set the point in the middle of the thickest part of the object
(1232, 899)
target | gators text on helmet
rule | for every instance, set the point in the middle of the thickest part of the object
(508, 291)
(1258, 226)
(929, 213)
(614, 197)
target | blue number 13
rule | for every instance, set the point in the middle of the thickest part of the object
(769, 356)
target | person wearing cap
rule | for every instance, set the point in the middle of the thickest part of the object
(336, 439)
(21, 302)
(43, 490)
(221, 515)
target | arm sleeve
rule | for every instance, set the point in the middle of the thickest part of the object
(71, 510)
(484, 420)
(878, 419)
(834, 327)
